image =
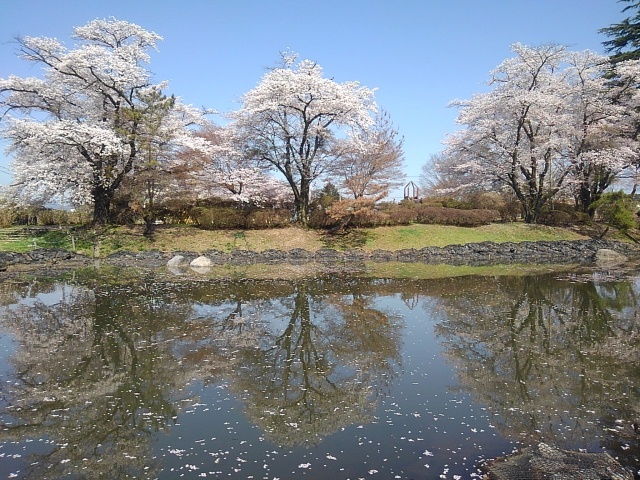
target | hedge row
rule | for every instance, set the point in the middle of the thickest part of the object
(403, 214)
(216, 218)
(10, 216)
(452, 216)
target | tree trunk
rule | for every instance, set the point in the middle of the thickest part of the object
(149, 224)
(302, 202)
(585, 199)
(101, 205)
(303, 214)
(149, 211)
(531, 208)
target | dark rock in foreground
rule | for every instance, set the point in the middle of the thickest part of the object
(546, 461)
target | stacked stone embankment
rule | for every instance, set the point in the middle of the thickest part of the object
(484, 253)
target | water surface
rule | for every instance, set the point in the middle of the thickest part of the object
(117, 374)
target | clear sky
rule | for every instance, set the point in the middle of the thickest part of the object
(420, 54)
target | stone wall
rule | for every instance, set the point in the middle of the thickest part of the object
(40, 256)
(485, 253)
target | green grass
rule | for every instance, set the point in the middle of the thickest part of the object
(111, 239)
(425, 271)
(419, 236)
(396, 270)
(20, 239)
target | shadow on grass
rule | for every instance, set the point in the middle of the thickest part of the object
(345, 239)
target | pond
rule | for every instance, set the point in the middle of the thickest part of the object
(122, 374)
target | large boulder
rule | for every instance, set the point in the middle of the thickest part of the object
(548, 461)
(177, 261)
(201, 262)
(607, 257)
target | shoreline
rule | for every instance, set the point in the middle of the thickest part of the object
(471, 254)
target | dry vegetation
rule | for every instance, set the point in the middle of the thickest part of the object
(168, 239)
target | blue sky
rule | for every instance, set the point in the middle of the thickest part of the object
(420, 54)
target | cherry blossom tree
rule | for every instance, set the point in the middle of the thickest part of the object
(441, 175)
(370, 161)
(222, 172)
(290, 121)
(80, 130)
(510, 134)
(605, 118)
(550, 125)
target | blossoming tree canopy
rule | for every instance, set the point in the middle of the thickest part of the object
(78, 131)
(553, 123)
(371, 159)
(291, 120)
(222, 172)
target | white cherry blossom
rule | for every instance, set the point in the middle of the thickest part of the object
(290, 120)
(78, 132)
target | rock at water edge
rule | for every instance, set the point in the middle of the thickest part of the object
(201, 261)
(605, 256)
(177, 261)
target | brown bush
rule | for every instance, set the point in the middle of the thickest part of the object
(510, 210)
(404, 216)
(319, 218)
(457, 217)
(563, 215)
(487, 201)
(406, 213)
(214, 218)
(8, 217)
(52, 217)
(268, 218)
(556, 218)
(371, 218)
(12, 215)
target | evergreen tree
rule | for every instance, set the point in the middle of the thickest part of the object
(625, 36)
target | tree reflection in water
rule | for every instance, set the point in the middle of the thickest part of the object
(555, 361)
(323, 371)
(104, 366)
(93, 378)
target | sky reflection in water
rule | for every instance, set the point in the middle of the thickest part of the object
(127, 376)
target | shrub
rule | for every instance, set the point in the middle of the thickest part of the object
(12, 215)
(268, 218)
(7, 217)
(401, 215)
(176, 211)
(406, 213)
(213, 218)
(124, 211)
(487, 201)
(457, 204)
(562, 214)
(457, 217)
(52, 217)
(319, 219)
(556, 218)
(618, 210)
(370, 218)
(218, 217)
(510, 210)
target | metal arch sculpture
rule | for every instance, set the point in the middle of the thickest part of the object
(411, 188)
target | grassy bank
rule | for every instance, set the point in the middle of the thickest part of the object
(169, 239)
